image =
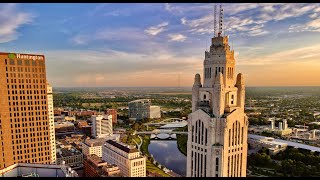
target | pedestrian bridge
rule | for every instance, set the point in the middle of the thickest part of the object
(169, 123)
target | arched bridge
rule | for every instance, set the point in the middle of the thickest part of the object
(161, 131)
(155, 133)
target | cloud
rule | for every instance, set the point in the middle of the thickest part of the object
(312, 26)
(154, 30)
(298, 55)
(248, 19)
(177, 37)
(314, 15)
(11, 20)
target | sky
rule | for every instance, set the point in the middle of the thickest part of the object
(123, 45)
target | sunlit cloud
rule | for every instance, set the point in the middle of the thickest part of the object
(177, 37)
(154, 30)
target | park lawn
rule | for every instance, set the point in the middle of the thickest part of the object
(152, 168)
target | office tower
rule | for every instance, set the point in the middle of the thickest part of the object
(127, 158)
(24, 118)
(218, 126)
(51, 122)
(101, 126)
(139, 109)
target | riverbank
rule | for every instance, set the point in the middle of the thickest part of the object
(182, 143)
(182, 140)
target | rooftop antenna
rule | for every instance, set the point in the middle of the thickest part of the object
(215, 21)
(220, 21)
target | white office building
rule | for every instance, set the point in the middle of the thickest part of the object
(51, 124)
(127, 158)
(101, 126)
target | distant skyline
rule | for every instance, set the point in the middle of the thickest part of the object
(123, 45)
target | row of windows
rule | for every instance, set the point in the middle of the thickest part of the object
(138, 163)
(230, 73)
(200, 135)
(13, 98)
(207, 72)
(20, 69)
(26, 62)
(198, 164)
(235, 165)
(23, 103)
(27, 91)
(19, 114)
(27, 86)
(235, 138)
(26, 125)
(30, 97)
(34, 81)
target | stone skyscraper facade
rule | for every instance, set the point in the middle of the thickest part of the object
(218, 126)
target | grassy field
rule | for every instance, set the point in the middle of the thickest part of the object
(152, 168)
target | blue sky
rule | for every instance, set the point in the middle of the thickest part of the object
(151, 44)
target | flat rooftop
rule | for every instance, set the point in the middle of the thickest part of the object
(37, 170)
(68, 152)
(292, 144)
(125, 148)
(95, 142)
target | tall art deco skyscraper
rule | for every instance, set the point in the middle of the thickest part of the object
(218, 126)
(24, 111)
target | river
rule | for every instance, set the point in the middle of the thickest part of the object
(166, 152)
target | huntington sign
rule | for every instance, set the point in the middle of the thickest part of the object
(25, 56)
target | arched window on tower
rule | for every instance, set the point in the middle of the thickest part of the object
(219, 69)
(204, 97)
(222, 70)
(210, 73)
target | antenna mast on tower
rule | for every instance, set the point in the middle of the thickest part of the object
(220, 21)
(215, 21)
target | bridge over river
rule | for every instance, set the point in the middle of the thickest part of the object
(170, 123)
(157, 133)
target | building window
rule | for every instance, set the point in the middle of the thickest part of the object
(206, 138)
(232, 99)
(217, 164)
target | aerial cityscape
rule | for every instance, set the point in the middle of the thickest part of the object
(160, 90)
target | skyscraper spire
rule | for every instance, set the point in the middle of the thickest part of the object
(215, 21)
(220, 21)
